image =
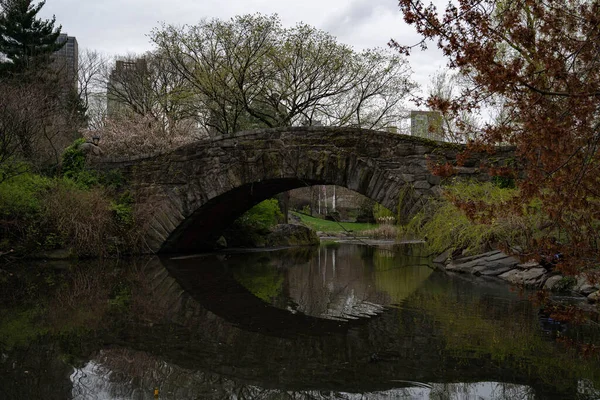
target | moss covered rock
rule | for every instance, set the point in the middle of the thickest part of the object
(291, 235)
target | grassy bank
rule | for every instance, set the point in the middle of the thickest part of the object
(477, 217)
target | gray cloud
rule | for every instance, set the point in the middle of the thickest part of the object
(122, 26)
(357, 14)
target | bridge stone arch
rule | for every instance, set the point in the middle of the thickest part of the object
(196, 191)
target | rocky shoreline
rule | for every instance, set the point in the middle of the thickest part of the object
(532, 275)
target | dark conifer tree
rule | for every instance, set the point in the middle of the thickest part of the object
(25, 41)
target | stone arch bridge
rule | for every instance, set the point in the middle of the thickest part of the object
(194, 192)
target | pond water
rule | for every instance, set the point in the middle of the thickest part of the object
(343, 321)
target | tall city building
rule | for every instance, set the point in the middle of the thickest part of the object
(123, 81)
(66, 60)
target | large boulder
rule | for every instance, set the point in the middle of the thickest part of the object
(532, 277)
(291, 235)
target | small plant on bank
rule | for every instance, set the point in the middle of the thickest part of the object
(565, 284)
(383, 215)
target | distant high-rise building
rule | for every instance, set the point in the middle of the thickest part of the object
(426, 124)
(66, 60)
(125, 78)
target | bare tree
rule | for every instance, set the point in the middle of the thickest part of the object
(249, 72)
(148, 87)
(91, 86)
(37, 122)
(17, 128)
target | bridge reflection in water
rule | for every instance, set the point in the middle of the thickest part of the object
(331, 322)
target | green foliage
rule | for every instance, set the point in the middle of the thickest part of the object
(486, 192)
(21, 196)
(380, 211)
(259, 51)
(112, 179)
(565, 284)
(306, 209)
(26, 41)
(11, 166)
(262, 216)
(123, 210)
(446, 227)
(73, 158)
(39, 213)
(365, 211)
(504, 182)
(73, 166)
(262, 279)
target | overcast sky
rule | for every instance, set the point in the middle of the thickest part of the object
(122, 26)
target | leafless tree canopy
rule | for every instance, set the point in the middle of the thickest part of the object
(250, 72)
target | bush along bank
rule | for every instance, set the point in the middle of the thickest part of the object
(486, 235)
(71, 213)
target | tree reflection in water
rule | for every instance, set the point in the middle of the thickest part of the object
(371, 325)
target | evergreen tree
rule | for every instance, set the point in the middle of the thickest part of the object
(25, 41)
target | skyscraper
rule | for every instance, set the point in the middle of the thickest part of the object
(66, 60)
(127, 78)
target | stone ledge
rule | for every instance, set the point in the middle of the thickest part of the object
(507, 268)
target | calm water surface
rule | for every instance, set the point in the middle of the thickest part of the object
(336, 322)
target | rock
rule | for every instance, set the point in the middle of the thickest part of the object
(488, 264)
(89, 148)
(422, 185)
(529, 265)
(222, 242)
(478, 256)
(583, 286)
(594, 297)
(291, 235)
(531, 278)
(294, 219)
(552, 281)
(587, 289)
(512, 276)
(442, 258)
(58, 254)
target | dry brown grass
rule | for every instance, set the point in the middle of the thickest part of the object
(86, 223)
(382, 232)
(83, 219)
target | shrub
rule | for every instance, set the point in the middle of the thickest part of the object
(73, 166)
(262, 216)
(20, 196)
(383, 215)
(83, 219)
(73, 159)
(136, 135)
